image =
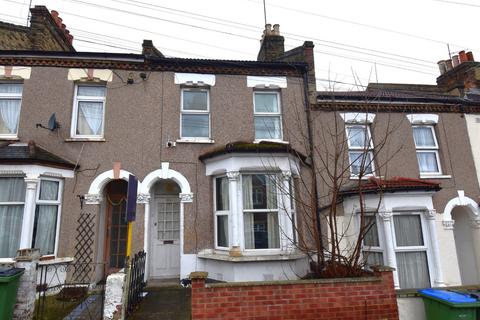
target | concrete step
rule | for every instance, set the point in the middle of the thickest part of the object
(166, 303)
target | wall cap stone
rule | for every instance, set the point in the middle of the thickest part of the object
(198, 275)
(382, 268)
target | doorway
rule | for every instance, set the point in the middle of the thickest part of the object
(165, 230)
(115, 246)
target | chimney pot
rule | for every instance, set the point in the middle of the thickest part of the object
(268, 29)
(455, 60)
(63, 26)
(462, 56)
(276, 29)
(54, 14)
(442, 66)
(448, 65)
(470, 56)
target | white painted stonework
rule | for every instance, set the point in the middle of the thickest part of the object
(10, 72)
(358, 117)
(197, 79)
(78, 74)
(417, 118)
(113, 294)
(266, 82)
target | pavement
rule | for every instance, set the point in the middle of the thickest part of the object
(165, 300)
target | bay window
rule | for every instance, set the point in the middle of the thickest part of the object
(10, 102)
(427, 149)
(372, 249)
(260, 211)
(221, 211)
(88, 111)
(360, 150)
(12, 202)
(195, 117)
(268, 118)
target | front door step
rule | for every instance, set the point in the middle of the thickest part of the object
(166, 303)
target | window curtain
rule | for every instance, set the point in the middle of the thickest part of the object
(412, 270)
(358, 136)
(90, 118)
(11, 217)
(423, 137)
(45, 227)
(9, 111)
(11, 88)
(222, 231)
(225, 195)
(272, 225)
(427, 161)
(271, 190)
(408, 230)
(247, 192)
(49, 190)
(249, 235)
(267, 127)
(371, 237)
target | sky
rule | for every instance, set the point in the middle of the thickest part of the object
(356, 41)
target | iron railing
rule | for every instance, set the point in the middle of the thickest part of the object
(136, 283)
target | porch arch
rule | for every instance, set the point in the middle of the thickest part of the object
(94, 195)
(461, 201)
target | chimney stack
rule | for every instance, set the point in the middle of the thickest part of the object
(459, 75)
(272, 44)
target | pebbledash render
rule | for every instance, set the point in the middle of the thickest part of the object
(219, 148)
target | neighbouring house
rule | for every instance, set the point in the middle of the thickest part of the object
(214, 145)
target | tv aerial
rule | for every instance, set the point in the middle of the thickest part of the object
(52, 124)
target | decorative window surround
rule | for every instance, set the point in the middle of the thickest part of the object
(358, 117)
(90, 75)
(423, 118)
(10, 72)
(266, 82)
(195, 79)
(395, 203)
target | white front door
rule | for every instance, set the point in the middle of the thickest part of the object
(165, 237)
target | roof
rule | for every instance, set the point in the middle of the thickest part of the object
(31, 154)
(395, 184)
(248, 147)
(102, 60)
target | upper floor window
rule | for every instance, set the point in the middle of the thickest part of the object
(195, 118)
(10, 102)
(268, 116)
(360, 150)
(12, 201)
(46, 212)
(427, 149)
(88, 111)
(260, 211)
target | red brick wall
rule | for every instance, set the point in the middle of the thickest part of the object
(346, 299)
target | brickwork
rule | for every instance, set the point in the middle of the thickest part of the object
(370, 298)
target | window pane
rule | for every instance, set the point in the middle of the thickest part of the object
(408, 230)
(267, 127)
(261, 230)
(360, 162)
(427, 161)
(10, 114)
(373, 258)
(45, 228)
(11, 218)
(12, 190)
(221, 185)
(91, 91)
(259, 191)
(195, 100)
(412, 268)
(371, 237)
(90, 118)
(266, 102)
(423, 137)
(48, 190)
(195, 125)
(11, 88)
(358, 136)
(222, 231)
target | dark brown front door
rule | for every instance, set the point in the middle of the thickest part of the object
(116, 227)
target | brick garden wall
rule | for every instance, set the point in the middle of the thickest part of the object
(371, 298)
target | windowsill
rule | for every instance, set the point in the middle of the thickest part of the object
(195, 140)
(9, 138)
(270, 140)
(363, 178)
(435, 176)
(224, 256)
(64, 260)
(6, 261)
(85, 139)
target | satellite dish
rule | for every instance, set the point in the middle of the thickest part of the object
(52, 123)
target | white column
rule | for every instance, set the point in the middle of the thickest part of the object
(285, 218)
(475, 224)
(389, 250)
(431, 216)
(29, 211)
(233, 219)
(145, 199)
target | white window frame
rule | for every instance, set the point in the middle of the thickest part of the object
(381, 242)
(76, 100)
(196, 112)
(368, 150)
(434, 149)
(268, 114)
(277, 210)
(426, 244)
(15, 203)
(57, 202)
(12, 96)
(220, 213)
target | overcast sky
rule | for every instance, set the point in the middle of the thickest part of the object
(356, 42)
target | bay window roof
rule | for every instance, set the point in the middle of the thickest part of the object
(395, 184)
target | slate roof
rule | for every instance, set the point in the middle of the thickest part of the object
(395, 184)
(31, 154)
